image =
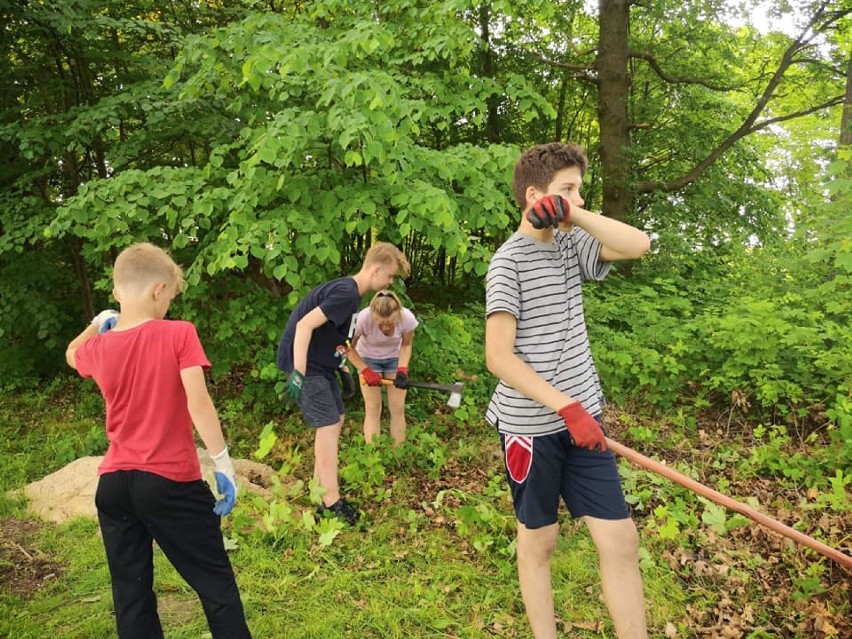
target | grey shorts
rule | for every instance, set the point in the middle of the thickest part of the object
(321, 402)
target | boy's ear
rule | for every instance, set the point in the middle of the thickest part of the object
(159, 289)
(533, 195)
(116, 293)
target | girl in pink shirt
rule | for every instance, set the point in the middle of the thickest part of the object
(384, 335)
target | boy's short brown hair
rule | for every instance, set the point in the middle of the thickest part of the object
(537, 166)
(141, 265)
(386, 253)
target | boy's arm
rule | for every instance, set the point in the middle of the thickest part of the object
(500, 328)
(89, 332)
(202, 410)
(206, 421)
(503, 363)
(302, 339)
(619, 241)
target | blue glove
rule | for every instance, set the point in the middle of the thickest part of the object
(105, 320)
(228, 490)
(108, 325)
(226, 482)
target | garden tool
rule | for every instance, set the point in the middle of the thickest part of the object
(728, 502)
(454, 400)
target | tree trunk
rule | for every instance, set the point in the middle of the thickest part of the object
(492, 128)
(846, 118)
(76, 254)
(560, 107)
(614, 85)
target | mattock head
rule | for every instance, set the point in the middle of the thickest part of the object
(455, 396)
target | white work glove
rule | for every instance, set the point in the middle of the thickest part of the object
(105, 320)
(226, 482)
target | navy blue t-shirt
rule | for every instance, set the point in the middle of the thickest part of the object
(339, 301)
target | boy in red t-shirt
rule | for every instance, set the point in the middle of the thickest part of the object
(150, 372)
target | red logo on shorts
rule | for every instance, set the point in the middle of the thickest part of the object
(519, 450)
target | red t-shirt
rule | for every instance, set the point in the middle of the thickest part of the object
(147, 420)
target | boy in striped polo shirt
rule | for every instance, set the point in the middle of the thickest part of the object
(547, 404)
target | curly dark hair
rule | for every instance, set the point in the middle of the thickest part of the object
(537, 166)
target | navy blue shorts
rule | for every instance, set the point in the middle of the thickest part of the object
(542, 468)
(321, 401)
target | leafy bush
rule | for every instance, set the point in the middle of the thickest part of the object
(762, 329)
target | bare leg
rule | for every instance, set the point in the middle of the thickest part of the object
(618, 550)
(535, 548)
(372, 411)
(396, 405)
(325, 460)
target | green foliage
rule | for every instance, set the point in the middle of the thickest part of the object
(490, 531)
(759, 329)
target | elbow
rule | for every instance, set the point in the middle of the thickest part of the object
(492, 362)
(643, 245)
(69, 359)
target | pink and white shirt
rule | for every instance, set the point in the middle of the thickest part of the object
(373, 343)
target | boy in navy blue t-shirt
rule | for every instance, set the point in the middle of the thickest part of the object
(310, 351)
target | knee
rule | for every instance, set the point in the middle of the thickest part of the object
(372, 403)
(537, 549)
(622, 542)
(373, 409)
(396, 405)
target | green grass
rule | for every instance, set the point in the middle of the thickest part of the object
(376, 582)
(433, 556)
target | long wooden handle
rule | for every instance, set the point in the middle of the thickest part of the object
(446, 388)
(728, 502)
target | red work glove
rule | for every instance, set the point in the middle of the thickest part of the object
(551, 210)
(371, 377)
(583, 428)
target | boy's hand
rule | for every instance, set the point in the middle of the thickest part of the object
(551, 210)
(105, 320)
(401, 379)
(583, 428)
(371, 377)
(226, 482)
(294, 385)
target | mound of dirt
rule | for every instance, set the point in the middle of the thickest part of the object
(70, 491)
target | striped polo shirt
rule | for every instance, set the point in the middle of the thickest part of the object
(540, 283)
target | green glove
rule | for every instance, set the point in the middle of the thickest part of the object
(294, 385)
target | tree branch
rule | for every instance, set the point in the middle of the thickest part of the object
(695, 173)
(655, 65)
(750, 124)
(580, 71)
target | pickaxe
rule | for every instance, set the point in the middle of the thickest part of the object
(454, 401)
(728, 502)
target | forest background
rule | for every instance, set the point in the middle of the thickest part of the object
(268, 144)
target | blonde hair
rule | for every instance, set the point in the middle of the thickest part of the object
(142, 265)
(386, 253)
(385, 304)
